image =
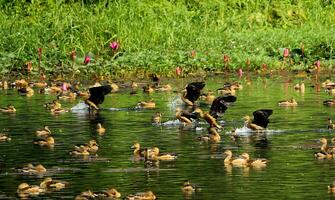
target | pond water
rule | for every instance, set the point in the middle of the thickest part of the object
(289, 144)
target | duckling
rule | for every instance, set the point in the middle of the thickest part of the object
(164, 88)
(83, 151)
(68, 96)
(100, 130)
(331, 188)
(8, 109)
(148, 195)
(110, 193)
(53, 90)
(25, 190)
(188, 187)
(114, 87)
(184, 116)
(31, 169)
(138, 152)
(4, 137)
(26, 91)
(207, 117)
(235, 162)
(43, 132)
(45, 142)
(257, 163)
(148, 89)
(330, 124)
(228, 157)
(146, 104)
(156, 118)
(21, 83)
(86, 195)
(212, 136)
(288, 103)
(154, 154)
(226, 91)
(324, 153)
(91, 146)
(40, 84)
(192, 92)
(58, 111)
(53, 105)
(327, 83)
(260, 121)
(330, 102)
(209, 97)
(50, 184)
(133, 85)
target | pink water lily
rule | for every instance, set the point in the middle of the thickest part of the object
(226, 58)
(240, 72)
(114, 45)
(87, 59)
(179, 70)
(286, 53)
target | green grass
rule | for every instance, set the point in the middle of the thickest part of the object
(157, 36)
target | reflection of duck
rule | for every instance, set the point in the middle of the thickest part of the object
(43, 132)
(330, 124)
(260, 120)
(148, 195)
(257, 163)
(100, 130)
(288, 103)
(50, 184)
(8, 109)
(25, 190)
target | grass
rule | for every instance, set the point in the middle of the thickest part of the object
(155, 37)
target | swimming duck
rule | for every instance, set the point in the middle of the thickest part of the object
(156, 118)
(331, 188)
(148, 195)
(114, 87)
(31, 169)
(207, 117)
(45, 142)
(97, 96)
(53, 90)
(260, 120)
(138, 152)
(100, 130)
(185, 117)
(21, 84)
(164, 88)
(8, 109)
(288, 103)
(188, 187)
(209, 97)
(4, 137)
(110, 193)
(43, 132)
(235, 162)
(148, 89)
(256, 163)
(212, 136)
(83, 151)
(220, 105)
(227, 91)
(192, 92)
(50, 184)
(330, 124)
(154, 154)
(25, 190)
(92, 146)
(330, 102)
(146, 104)
(26, 91)
(53, 105)
(86, 195)
(324, 153)
(68, 96)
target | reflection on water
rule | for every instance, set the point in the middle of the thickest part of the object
(288, 144)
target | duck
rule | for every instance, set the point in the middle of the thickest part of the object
(192, 92)
(43, 132)
(156, 118)
(188, 187)
(53, 90)
(164, 88)
(4, 137)
(228, 90)
(146, 104)
(8, 109)
(21, 83)
(100, 130)
(53, 105)
(86, 195)
(331, 187)
(148, 195)
(148, 89)
(83, 151)
(31, 169)
(115, 87)
(330, 102)
(324, 153)
(58, 111)
(138, 152)
(212, 136)
(207, 117)
(110, 193)
(288, 103)
(235, 162)
(68, 96)
(45, 142)
(155, 155)
(26, 91)
(40, 84)
(49, 184)
(97, 96)
(25, 190)
(327, 83)
(300, 87)
(185, 116)
(260, 120)
(209, 97)
(257, 163)
(330, 124)
(92, 146)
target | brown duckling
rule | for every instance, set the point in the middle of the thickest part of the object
(235, 162)
(8, 109)
(138, 152)
(330, 124)
(43, 132)
(156, 118)
(31, 169)
(331, 188)
(83, 151)
(324, 153)
(25, 190)
(212, 136)
(164, 88)
(300, 87)
(154, 154)
(288, 103)
(100, 130)
(188, 187)
(45, 142)
(207, 117)
(53, 105)
(50, 184)
(146, 104)
(148, 89)
(91, 146)
(148, 195)
(4, 137)
(257, 163)
(110, 193)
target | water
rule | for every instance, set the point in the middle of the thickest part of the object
(289, 144)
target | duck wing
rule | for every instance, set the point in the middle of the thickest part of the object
(219, 105)
(97, 94)
(261, 117)
(193, 90)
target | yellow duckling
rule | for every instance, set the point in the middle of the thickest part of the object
(324, 153)
(50, 184)
(146, 104)
(239, 162)
(43, 132)
(4, 137)
(21, 83)
(138, 152)
(331, 188)
(26, 91)
(330, 124)
(110, 193)
(31, 169)
(248, 123)
(53, 90)
(148, 89)
(8, 109)
(83, 151)
(154, 154)
(288, 103)
(148, 195)
(188, 187)
(45, 142)
(100, 130)
(164, 88)
(25, 190)
(207, 117)
(209, 97)
(86, 195)
(53, 105)
(257, 163)
(58, 111)
(156, 118)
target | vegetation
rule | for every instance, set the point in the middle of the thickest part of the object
(54, 36)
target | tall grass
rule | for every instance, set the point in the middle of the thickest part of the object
(157, 36)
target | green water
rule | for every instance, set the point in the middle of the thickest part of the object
(292, 172)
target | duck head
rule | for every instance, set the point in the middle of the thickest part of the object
(113, 193)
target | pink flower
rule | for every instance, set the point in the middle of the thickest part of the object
(87, 59)
(286, 53)
(318, 65)
(179, 70)
(114, 45)
(226, 58)
(240, 72)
